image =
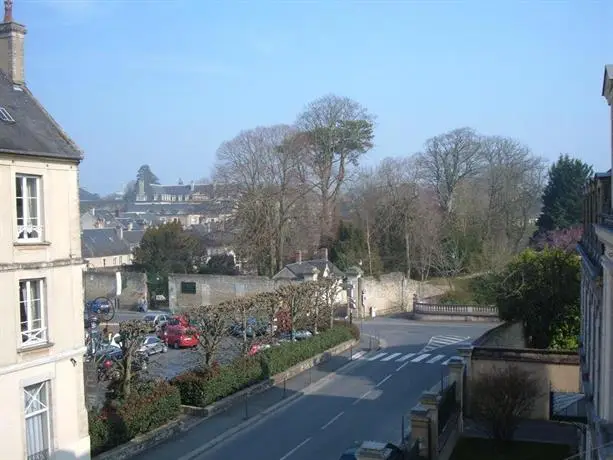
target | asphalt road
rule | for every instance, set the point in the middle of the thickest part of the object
(367, 401)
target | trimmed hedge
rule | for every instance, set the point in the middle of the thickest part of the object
(151, 407)
(203, 388)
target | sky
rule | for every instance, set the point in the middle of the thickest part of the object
(164, 83)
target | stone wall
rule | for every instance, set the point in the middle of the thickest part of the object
(101, 283)
(507, 335)
(213, 289)
(393, 293)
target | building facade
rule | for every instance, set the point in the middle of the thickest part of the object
(596, 345)
(41, 270)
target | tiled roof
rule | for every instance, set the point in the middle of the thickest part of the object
(103, 242)
(33, 131)
(306, 268)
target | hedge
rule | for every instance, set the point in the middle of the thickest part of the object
(203, 388)
(151, 407)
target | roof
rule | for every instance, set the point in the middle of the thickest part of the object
(103, 242)
(299, 270)
(33, 132)
(607, 79)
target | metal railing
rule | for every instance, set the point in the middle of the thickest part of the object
(42, 455)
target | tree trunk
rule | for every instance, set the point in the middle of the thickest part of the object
(127, 376)
(368, 247)
(407, 249)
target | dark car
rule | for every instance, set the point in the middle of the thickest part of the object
(373, 449)
(109, 363)
(255, 327)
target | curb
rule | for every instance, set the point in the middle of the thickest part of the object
(275, 408)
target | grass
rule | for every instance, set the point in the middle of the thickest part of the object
(487, 449)
(460, 289)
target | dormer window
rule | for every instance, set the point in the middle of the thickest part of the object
(6, 116)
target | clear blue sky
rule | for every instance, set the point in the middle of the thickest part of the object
(165, 82)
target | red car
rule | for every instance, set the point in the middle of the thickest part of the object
(177, 333)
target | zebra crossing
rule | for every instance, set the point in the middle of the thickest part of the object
(424, 358)
(440, 341)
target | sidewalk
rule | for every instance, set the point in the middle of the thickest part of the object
(205, 431)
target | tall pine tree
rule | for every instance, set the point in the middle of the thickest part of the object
(563, 195)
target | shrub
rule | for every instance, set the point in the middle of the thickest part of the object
(201, 389)
(149, 408)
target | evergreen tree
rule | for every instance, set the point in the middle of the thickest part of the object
(350, 249)
(563, 195)
(145, 174)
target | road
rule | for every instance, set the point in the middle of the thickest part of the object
(365, 401)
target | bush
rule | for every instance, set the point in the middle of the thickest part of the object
(201, 389)
(151, 407)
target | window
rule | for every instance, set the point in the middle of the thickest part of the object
(27, 194)
(36, 398)
(6, 116)
(31, 311)
(188, 287)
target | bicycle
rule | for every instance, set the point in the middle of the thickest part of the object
(102, 308)
(93, 339)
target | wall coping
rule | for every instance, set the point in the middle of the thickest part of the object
(534, 355)
(488, 334)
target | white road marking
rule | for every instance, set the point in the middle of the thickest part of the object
(383, 381)
(295, 449)
(435, 359)
(361, 397)
(403, 365)
(441, 341)
(358, 355)
(447, 362)
(420, 358)
(392, 356)
(405, 357)
(374, 358)
(334, 419)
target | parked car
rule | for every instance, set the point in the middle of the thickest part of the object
(301, 334)
(257, 347)
(179, 334)
(109, 363)
(152, 345)
(154, 321)
(373, 449)
(255, 327)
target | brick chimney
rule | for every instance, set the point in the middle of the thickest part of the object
(11, 51)
(299, 257)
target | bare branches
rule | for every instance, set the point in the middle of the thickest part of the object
(502, 397)
(211, 325)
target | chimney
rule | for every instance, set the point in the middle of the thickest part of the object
(324, 253)
(11, 52)
(299, 257)
(192, 185)
(93, 211)
(119, 232)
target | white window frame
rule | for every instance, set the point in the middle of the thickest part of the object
(22, 230)
(40, 397)
(35, 331)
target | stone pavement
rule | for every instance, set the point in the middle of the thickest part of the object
(204, 431)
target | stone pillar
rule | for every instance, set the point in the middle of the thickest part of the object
(456, 375)
(466, 352)
(420, 426)
(429, 401)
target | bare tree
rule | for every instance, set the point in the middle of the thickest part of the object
(449, 159)
(506, 395)
(265, 161)
(298, 302)
(211, 324)
(337, 132)
(240, 310)
(426, 233)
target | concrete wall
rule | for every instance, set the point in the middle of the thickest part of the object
(555, 370)
(101, 283)
(110, 261)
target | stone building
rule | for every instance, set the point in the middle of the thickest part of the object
(41, 270)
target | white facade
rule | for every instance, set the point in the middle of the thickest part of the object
(597, 320)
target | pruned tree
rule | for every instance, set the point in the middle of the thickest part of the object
(240, 310)
(502, 398)
(269, 305)
(298, 302)
(131, 335)
(337, 131)
(211, 324)
(326, 292)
